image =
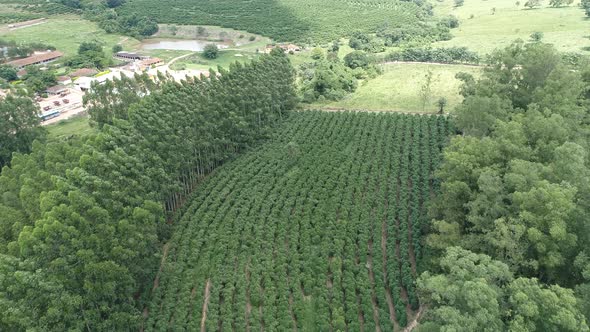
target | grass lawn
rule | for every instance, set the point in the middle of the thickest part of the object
(398, 88)
(567, 27)
(74, 126)
(224, 59)
(66, 33)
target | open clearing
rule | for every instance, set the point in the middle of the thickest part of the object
(66, 33)
(319, 229)
(566, 27)
(77, 125)
(224, 59)
(398, 88)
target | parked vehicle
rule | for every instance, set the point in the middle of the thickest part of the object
(66, 101)
(56, 103)
(49, 115)
(46, 108)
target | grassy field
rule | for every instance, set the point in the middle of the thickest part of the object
(66, 33)
(567, 27)
(398, 88)
(225, 58)
(74, 126)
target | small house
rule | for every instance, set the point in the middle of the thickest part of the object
(56, 90)
(84, 72)
(37, 59)
(64, 80)
(149, 63)
(130, 56)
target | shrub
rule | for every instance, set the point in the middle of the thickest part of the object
(440, 55)
(211, 51)
(356, 59)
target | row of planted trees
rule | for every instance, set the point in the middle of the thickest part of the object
(83, 220)
(308, 232)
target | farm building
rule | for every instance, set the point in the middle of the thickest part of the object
(37, 59)
(149, 63)
(64, 80)
(288, 48)
(130, 56)
(56, 90)
(84, 72)
(85, 83)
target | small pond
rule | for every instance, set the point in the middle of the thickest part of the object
(178, 44)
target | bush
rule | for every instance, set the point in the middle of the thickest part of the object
(329, 80)
(439, 55)
(450, 22)
(117, 48)
(8, 72)
(317, 53)
(537, 36)
(210, 51)
(356, 59)
(252, 38)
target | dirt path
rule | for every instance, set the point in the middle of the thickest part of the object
(414, 323)
(205, 304)
(26, 24)
(167, 66)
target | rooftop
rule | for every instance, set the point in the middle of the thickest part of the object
(55, 89)
(151, 61)
(84, 72)
(37, 58)
(124, 54)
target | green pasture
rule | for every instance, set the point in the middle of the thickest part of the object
(77, 125)
(226, 57)
(483, 29)
(399, 86)
(66, 33)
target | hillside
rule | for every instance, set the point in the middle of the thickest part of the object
(318, 229)
(283, 20)
(487, 25)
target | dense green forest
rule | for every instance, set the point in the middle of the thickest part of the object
(84, 220)
(514, 196)
(319, 229)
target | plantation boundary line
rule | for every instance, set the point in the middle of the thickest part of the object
(356, 110)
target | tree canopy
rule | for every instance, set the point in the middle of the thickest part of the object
(83, 219)
(514, 183)
(477, 293)
(19, 126)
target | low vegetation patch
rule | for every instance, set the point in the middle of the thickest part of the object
(399, 89)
